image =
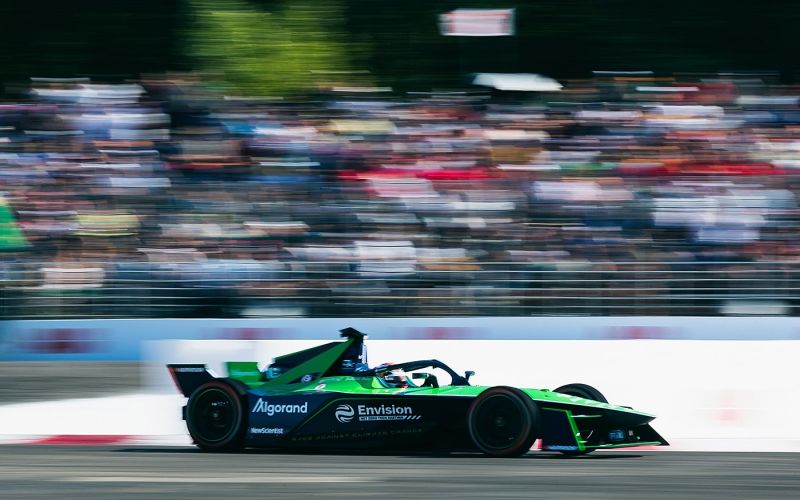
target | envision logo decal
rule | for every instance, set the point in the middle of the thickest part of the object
(263, 406)
(344, 413)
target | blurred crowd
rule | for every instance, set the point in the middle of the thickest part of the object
(166, 197)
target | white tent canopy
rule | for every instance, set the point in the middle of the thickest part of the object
(525, 82)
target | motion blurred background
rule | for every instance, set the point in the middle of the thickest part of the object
(304, 158)
(524, 189)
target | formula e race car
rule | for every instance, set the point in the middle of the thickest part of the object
(327, 397)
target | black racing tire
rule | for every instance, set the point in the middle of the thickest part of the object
(216, 417)
(584, 391)
(503, 422)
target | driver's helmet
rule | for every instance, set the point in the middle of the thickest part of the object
(273, 372)
(395, 378)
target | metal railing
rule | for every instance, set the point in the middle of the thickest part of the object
(31, 290)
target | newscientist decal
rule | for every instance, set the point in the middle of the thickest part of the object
(346, 413)
(267, 430)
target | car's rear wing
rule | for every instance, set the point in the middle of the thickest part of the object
(189, 377)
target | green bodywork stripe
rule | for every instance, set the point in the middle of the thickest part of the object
(318, 364)
(575, 432)
(245, 371)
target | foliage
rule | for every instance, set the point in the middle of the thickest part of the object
(286, 49)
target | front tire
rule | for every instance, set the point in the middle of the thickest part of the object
(584, 391)
(216, 418)
(503, 422)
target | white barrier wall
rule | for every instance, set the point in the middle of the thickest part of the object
(121, 339)
(707, 395)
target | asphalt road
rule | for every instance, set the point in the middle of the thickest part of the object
(131, 472)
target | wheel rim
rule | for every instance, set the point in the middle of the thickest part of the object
(499, 422)
(214, 415)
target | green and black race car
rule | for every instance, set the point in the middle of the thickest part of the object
(327, 397)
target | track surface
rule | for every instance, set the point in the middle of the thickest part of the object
(125, 472)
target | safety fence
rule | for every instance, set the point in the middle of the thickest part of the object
(396, 287)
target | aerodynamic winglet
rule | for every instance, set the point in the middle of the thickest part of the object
(351, 333)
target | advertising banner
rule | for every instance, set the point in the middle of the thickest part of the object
(477, 22)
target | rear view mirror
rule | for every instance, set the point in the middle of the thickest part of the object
(419, 375)
(468, 374)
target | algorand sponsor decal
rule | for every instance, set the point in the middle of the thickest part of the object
(266, 430)
(345, 413)
(264, 406)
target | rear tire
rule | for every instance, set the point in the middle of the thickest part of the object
(584, 391)
(503, 422)
(216, 417)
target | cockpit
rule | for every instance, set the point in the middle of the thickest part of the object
(421, 373)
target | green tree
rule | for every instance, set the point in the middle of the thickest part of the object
(287, 49)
